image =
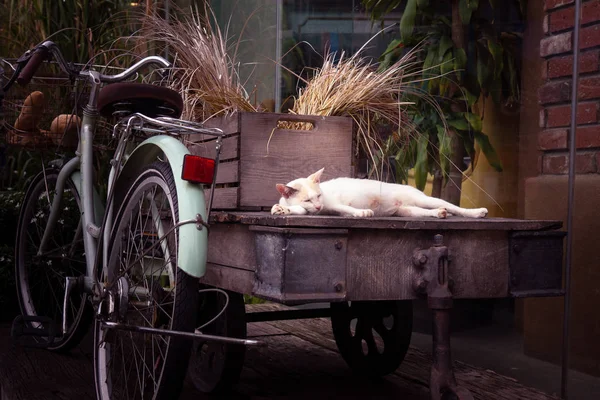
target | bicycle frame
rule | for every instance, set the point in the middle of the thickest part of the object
(192, 206)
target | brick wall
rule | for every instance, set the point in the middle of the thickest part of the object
(556, 49)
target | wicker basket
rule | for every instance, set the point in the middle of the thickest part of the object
(45, 115)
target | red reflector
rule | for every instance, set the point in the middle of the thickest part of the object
(198, 169)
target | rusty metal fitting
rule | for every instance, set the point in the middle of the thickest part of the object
(419, 259)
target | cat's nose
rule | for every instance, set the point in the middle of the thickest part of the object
(318, 207)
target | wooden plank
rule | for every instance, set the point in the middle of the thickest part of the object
(225, 198)
(36, 374)
(228, 124)
(258, 329)
(232, 245)
(484, 384)
(300, 361)
(380, 265)
(229, 148)
(394, 223)
(228, 172)
(228, 278)
(290, 154)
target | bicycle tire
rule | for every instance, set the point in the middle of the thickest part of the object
(109, 352)
(30, 227)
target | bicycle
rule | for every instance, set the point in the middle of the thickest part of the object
(132, 265)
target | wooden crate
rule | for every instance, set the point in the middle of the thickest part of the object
(256, 155)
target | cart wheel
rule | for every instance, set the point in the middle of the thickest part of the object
(356, 327)
(215, 367)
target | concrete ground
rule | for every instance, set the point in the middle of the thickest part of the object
(497, 346)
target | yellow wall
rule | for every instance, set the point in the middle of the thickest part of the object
(502, 128)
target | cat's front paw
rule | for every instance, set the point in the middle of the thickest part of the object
(278, 209)
(363, 213)
(479, 212)
(442, 213)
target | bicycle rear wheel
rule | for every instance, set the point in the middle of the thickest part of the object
(40, 278)
(143, 250)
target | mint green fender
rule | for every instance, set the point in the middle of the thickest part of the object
(193, 243)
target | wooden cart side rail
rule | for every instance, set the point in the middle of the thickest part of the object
(394, 223)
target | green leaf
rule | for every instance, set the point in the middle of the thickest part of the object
(445, 149)
(496, 51)
(378, 8)
(445, 45)
(460, 59)
(461, 124)
(421, 162)
(390, 54)
(394, 44)
(483, 141)
(429, 60)
(422, 3)
(474, 121)
(513, 80)
(470, 97)
(446, 67)
(484, 72)
(465, 11)
(407, 22)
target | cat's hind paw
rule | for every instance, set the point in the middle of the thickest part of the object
(278, 209)
(363, 213)
(480, 212)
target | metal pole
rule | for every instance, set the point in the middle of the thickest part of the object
(278, 52)
(168, 19)
(571, 188)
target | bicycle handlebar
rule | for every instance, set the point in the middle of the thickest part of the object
(39, 55)
(33, 59)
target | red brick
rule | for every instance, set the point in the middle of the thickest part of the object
(544, 70)
(589, 37)
(558, 164)
(590, 12)
(565, 18)
(553, 139)
(588, 137)
(542, 119)
(550, 4)
(562, 19)
(587, 113)
(555, 92)
(563, 66)
(589, 88)
(556, 44)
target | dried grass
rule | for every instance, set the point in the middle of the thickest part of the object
(352, 86)
(204, 74)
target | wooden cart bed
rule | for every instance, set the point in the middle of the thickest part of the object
(301, 259)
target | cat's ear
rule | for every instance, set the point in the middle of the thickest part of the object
(316, 177)
(285, 191)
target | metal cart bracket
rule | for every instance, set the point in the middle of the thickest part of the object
(433, 280)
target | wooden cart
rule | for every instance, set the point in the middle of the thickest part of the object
(368, 269)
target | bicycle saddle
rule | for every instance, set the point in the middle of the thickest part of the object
(126, 98)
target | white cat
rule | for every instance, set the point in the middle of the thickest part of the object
(362, 198)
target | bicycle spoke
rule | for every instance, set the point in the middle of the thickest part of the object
(145, 255)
